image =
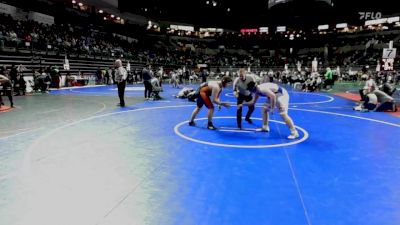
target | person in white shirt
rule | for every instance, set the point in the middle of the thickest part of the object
(371, 101)
(120, 78)
(369, 87)
(369, 104)
(279, 98)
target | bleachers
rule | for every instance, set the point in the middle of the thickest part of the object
(87, 66)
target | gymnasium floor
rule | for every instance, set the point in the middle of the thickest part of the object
(72, 157)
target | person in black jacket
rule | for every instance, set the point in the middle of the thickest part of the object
(20, 86)
(147, 75)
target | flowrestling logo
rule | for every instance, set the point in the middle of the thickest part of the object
(370, 15)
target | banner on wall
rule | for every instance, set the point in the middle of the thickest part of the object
(41, 18)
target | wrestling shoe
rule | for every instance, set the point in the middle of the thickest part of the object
(210, 126)
(249, 120)
(293, 135)
(265, 128)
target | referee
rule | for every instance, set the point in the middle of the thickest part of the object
(242, 94)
